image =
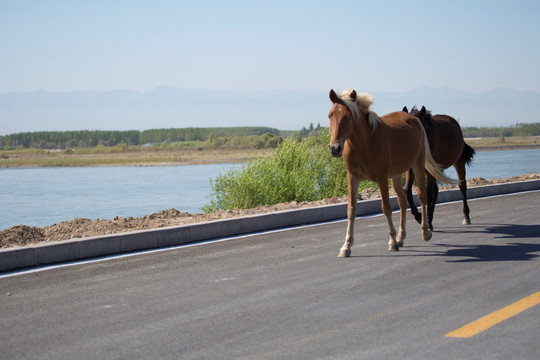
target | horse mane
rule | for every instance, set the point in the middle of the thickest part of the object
(362, 105)
(415, 112)
(425, 118)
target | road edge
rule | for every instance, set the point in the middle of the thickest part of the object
(104, 245)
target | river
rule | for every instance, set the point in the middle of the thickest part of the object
(44, 196)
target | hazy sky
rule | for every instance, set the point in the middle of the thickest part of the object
(272, 45)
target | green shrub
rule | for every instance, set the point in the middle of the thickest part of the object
(300, 170)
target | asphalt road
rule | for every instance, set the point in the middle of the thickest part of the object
(285, 295)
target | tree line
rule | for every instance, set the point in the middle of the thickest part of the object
(520, 129)
(92, 138)
(216, 136)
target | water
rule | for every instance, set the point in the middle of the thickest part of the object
(44, 196)
(501, 164)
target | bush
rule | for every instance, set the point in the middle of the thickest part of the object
(300, 170)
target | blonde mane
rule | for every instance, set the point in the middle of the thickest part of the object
(361, 106)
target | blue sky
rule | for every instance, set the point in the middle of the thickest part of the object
(397, 46)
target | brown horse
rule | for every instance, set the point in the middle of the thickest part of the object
(377, 149)
(448, 148)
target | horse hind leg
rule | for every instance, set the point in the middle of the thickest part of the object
(402, 202)
(460, 170)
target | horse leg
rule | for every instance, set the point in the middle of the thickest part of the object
(402, 201)
(460, 170)
(387, 210)
(353, 184)
(409, 179)
(432, 196)
(422, 198)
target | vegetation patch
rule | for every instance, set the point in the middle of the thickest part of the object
(300, 170)
(93, 138)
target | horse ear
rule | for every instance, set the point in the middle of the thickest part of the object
(423, 111)
(353, 95)
(333, 96)
(405, 109)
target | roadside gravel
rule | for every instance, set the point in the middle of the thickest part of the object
(22, 235)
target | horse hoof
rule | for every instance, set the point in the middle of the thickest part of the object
(427, 235)
(393, 247)
(344, 253)
(400, 243)
(466, 222)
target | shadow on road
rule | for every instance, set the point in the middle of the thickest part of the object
(507, 252)
(515, 251)
(515, 231)
(522, 249)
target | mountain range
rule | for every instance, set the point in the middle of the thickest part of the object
(173, 107)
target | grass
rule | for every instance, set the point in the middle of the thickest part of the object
(128, 157)
(506, 142)
(192, 152)
(301, 170)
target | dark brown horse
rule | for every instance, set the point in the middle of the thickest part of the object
(448, 148)
(377, 149)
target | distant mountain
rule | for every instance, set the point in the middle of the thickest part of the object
(498, 107)
(166, 107)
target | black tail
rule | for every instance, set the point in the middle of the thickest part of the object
(468, 153)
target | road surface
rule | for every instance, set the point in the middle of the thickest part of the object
(286, 295)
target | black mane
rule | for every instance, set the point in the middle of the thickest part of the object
(415, 112)
(424, 115)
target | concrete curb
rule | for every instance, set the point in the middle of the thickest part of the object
(92, 247)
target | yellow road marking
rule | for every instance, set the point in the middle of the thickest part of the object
(496, 317)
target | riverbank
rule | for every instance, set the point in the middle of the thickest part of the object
(22, 235)
(134, 157)
(147, 156)
(509, 143)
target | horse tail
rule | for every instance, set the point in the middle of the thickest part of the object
(468, 153)
(433, 168)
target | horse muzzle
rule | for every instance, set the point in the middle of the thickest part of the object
(336, 150)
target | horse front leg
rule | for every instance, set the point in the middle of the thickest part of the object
(409, 179)
(352, 184)
(432, 197)
(402, 202)
(387, 210)
(422, 198)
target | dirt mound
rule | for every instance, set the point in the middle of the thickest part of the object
(22, 235)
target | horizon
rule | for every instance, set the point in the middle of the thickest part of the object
(242, 126)
(173, 107)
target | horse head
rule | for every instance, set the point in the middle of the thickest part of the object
(424, 115)
(419, 114)
(341, 122)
